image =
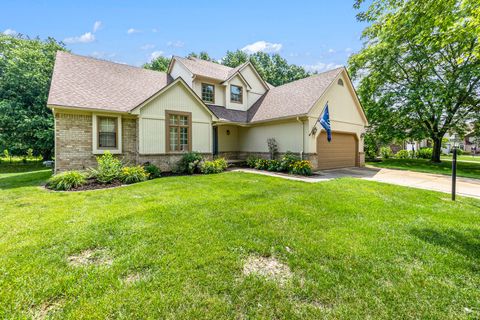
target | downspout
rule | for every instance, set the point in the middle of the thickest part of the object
(303, 137)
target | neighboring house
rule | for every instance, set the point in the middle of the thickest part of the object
(148, 116)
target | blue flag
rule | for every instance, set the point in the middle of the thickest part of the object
(324, 120)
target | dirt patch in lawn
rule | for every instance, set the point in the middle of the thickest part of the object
(99, 257)
(134, 277)
(268, 267)
(46, 309)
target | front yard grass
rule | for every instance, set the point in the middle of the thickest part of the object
(175, 248)
(464, 169)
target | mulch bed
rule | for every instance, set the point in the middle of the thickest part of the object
(92, 184)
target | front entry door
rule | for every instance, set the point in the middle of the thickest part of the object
(215, 140)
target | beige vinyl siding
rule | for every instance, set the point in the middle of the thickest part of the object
(178, 70)
(289, 136)
(228, 142)
(237, 81)
(152, 121)
(257, 90)
(345, 115)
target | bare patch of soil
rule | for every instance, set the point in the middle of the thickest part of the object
(99, 257)
(268, 267)
(134, 277)
(46, 309)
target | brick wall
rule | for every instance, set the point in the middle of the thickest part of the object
(73, 142)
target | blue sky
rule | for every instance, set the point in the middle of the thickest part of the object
(316, 34)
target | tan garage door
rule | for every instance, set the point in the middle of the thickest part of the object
(341, 152)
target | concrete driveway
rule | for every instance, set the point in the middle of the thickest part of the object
(465, 186)
(436, 182)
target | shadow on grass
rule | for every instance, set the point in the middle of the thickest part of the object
(6, 167)
(465, 242)
(24, 179)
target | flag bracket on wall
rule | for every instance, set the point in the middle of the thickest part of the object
(324, 120)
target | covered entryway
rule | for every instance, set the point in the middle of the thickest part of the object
(341, 152)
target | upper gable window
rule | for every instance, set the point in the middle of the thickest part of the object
(208, 92)
(236, 94)
(340, 82)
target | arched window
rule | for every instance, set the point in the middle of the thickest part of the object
(340, 82)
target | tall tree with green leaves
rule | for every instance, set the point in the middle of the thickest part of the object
(419, 68)
(159, 64)
(202, 55)
(26, 67)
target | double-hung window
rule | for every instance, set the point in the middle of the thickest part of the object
(208, 93)
(107, 132)
(179, 131)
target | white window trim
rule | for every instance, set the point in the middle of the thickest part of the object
(95, 148)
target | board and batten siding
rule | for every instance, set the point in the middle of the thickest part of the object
(257, 88)
(345, 115)
(288, 134)
(152, 121)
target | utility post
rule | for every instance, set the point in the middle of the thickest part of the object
(454, 172)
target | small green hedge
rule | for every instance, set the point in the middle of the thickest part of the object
(67, 180)
(301, 167)
(152, 170)
(134, 174)
(288, 163)
(215, 166)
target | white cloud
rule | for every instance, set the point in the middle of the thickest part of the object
(84, 38)
(132, 31)
(321, 67)
(348, 50)
(156, 54)
(175, 44)
(154, 30)
(10, 32)
(262, 46)
(97, 25)
(331, 50)
(147, 46)
(103, 55)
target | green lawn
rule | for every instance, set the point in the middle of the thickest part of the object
(464, 169)
(356, 249)
(463, 158)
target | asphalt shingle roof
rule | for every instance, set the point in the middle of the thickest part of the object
(90, 83)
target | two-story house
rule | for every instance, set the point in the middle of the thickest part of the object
(143, 115)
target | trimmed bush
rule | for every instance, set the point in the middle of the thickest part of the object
(190, 163)
(108, 168)
(67, 180)
(459, 152)
(386, 152)
(425, 153)
(261, 164)
(273, 165)
(251, 161)
(152, 170)
(133, 174)
(287, 161)
(301, 167)
(215, 166)
(402, 154)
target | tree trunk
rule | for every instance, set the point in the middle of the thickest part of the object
(437, 149)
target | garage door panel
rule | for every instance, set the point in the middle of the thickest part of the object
(341, 152)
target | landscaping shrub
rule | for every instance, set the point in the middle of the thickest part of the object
(459, 151)
(261, 164)
(215, 166)
(424, 153)
(152, 170)
(287, 161)
(135, 174)
(190, 163)
(251, 161)
(386, 152)
(301, 167)
(402, 154)
(67, 180)
(108, 168)
(274, 165)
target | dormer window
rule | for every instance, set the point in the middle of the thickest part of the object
(208, 93)
(236, 94)
(340, 82)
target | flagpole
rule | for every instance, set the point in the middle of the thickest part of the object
(326, 104)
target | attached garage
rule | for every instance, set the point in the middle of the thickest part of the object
(341, 152)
